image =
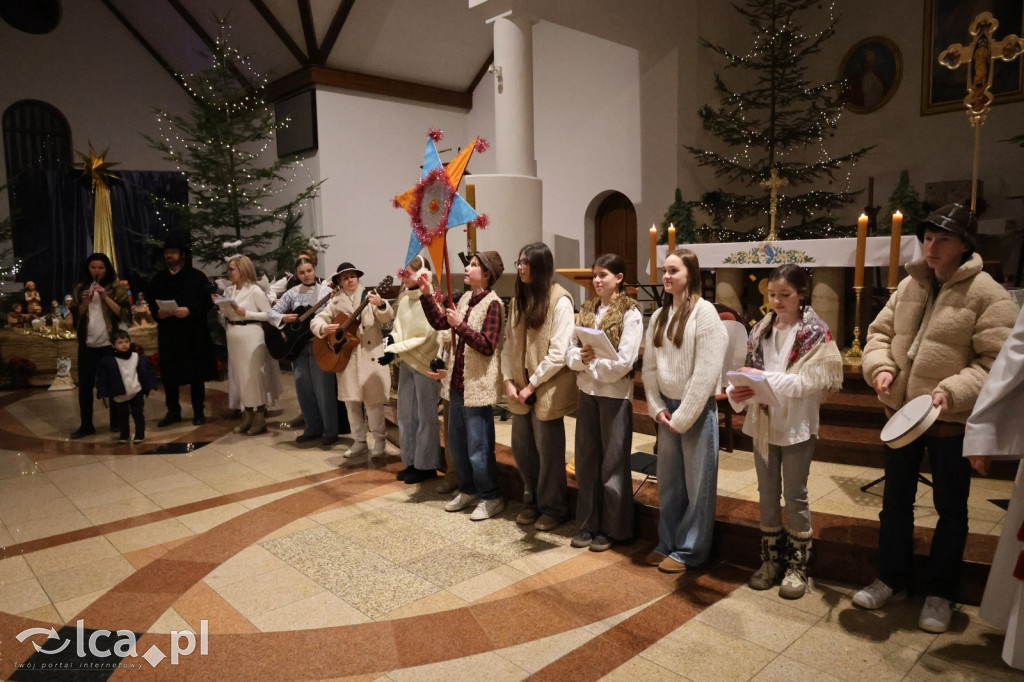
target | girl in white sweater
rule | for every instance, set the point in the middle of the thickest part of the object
(415, 343)
(793, 350)
(683, 355)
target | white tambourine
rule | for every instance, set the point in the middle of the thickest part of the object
(910, 421)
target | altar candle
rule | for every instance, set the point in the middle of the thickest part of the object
(654, 254)
(671, 238)
(894, 249)
(862, 242)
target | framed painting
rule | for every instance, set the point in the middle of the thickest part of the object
(870, 73)
(947, 22)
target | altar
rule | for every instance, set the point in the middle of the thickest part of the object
(827, 257)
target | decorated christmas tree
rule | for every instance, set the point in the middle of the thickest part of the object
(781, 121)
(680, 214)
(241, 197)
(905, 200)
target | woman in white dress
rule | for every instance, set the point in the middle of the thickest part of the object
(247, 352)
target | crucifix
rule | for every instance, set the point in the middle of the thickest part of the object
(773, 183)
(979, 55)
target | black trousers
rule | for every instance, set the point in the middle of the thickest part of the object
(951, 477)
(136, 407)
(88, 362)
(197, 389)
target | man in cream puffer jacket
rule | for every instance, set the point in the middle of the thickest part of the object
(938, 335)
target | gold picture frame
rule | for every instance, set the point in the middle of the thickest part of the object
(870, 74)
(947, 22)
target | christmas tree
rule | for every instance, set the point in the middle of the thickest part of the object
(680, 214)
(781, 121)
(905, 200)
(239, 192)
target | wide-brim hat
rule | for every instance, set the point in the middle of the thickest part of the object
(954, 218)
(343, 268)
(492, 263)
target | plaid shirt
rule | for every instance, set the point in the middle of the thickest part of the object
(483, 341)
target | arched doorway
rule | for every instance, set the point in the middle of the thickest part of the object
(615, 231)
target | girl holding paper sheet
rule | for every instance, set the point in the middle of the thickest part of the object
(792, 348)
(604, 417)
(541, 389)
(683, 356)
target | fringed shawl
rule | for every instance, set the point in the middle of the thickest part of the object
(814, 354)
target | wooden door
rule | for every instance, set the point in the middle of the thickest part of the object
(615, 231)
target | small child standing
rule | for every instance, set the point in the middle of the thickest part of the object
(793, 350)
(125, 377)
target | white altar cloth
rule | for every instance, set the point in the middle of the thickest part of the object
(812, 253)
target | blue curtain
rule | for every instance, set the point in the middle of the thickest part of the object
(53, 223)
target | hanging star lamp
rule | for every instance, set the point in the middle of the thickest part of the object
(97, 169)
(435, 206)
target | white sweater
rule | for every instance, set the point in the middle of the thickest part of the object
(691, 373)
(610, 378)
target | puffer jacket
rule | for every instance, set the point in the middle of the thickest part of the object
(971, 318)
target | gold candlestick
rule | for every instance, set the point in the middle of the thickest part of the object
(854, 356)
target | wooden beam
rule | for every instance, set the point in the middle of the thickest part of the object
(333, 31)
(145, 44)
(308, 30)
(279, 30)
(480, 74)
(310, 76)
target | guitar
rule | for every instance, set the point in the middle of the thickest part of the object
(332, 352)
(287, 342)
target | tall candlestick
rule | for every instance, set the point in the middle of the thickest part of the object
(894, 250)
(671, 238)
(862, 242)
(654, 254)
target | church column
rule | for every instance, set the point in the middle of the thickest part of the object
(513, 96)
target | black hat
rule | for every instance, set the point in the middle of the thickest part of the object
(178, 239)
(954, 218)
(345, 267)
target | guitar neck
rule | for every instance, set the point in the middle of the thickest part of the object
(315, 307)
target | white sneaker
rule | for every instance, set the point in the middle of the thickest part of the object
(378, 448)
(358, 448)
(487, 508)
(935, 615)
(460, 501)
(876, 595)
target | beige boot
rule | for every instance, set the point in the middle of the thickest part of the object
(247, 417)
(259, 424)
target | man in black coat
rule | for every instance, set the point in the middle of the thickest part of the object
(185, 348)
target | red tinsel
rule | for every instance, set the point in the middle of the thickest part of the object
(481, 222)
(437, 296)
(435, 134)
(404, 272)
(425, 234)
(394, 202)
(481, 145)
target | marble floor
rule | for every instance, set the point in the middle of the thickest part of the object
(234, 557)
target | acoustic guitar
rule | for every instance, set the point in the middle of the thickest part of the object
(332, 352)
(287, 342)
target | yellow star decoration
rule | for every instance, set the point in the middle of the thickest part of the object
(96, 167)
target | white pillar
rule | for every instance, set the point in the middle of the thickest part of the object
(513, 96)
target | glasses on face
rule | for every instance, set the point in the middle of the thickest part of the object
(522, 263)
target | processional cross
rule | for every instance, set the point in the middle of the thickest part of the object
(979, 55)
(773, 183)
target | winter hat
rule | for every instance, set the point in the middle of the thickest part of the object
(179, 240)
(343, 268)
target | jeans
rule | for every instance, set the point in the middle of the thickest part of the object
(951, 477)
(785, 474)
(539, 449)
(471, 442)
(417, 419)
(688, 486)
(317, 393)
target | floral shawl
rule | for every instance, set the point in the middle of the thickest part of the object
(814, 354)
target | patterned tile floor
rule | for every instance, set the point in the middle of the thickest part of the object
(290, 562)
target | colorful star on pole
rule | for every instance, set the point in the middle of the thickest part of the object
(434, 204)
